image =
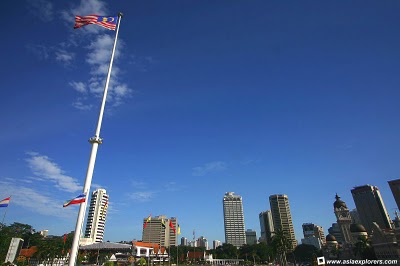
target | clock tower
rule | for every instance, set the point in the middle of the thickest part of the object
(343, 218)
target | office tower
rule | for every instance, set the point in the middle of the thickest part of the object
(184, 241)
(343, 219)
(251, 237)
(282, 217)
(96, 220)
(216, 243)
(395, 188)
(370, 207)
(234, 220)
(355, 218)
(202, 242)
(157, 230)
(313, 230)
(267, 226)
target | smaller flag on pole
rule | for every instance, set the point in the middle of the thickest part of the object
(163, 223)
(172, 226)
(108, 22)
(79, 199)
(5, 202)
(147, 220)
(179, 229)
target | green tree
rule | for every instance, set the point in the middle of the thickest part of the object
(281, 244)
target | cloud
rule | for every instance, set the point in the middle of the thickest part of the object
(35, 201)
(41, 9)
(64, 56)
(98, 58)
(78, 86)
(209, 168)
(43, 168)
(142, 196)
(40, 51)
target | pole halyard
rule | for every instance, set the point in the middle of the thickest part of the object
(95, 141)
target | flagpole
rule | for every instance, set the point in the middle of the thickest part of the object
(4, 216)
(95, 141)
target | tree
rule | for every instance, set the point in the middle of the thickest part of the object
(281, 244)
(305, 253)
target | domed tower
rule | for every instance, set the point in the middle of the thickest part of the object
(358, 232)
(343, 218)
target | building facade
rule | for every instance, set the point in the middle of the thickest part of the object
(96, 220)
(216, 243)
(267, 226)
(282, 218)
(343, 219)
(202, 242)
(157, 230)
(234, 220)
(370, 207)
(251, 237)
(395, 188)
(184, 241)
(313, 230)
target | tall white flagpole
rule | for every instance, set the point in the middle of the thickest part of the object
(95, 141)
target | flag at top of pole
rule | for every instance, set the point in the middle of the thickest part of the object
(107, 22)
(5, 202)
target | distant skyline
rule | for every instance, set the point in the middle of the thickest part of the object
(256, 98)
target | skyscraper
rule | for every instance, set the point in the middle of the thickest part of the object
(251, 237)
(370, 207)
(96, 220)
(282, 217)
(267, 226)
(395, 188)
(313, 230)
(157, 230)
(234, 220)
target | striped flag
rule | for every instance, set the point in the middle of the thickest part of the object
(147, 220)
(79, 199)
(5, 202)
(104, 212)
(103, 21)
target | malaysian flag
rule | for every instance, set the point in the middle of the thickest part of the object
(104, 21)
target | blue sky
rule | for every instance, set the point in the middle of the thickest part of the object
(256, 97)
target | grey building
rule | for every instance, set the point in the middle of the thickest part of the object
(234, 220)
(370, 207)
(251, 237)
(267, 226)
(395, 188)
(96, 220)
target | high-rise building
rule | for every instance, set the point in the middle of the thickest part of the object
(370, 207)
(395, 188)
(216, 243)
(184, 241)
(96, 220)
(313, 230)
(267, 226)
(202, 242)
(251, 237)
(355, 218)
(157, 230)
(234, 220)
(282, 218)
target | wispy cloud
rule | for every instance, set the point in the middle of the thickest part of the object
(40, 51)
(209, 168)
(43, 168)
(64, 57)
(35, 201)
(41, 9)
(142, 196)
(98, 57)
